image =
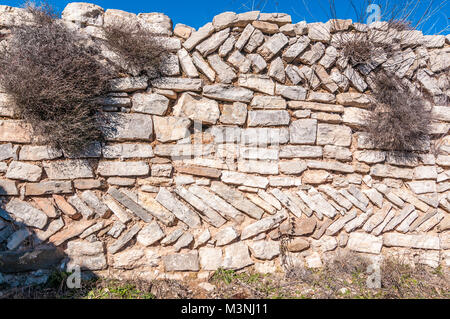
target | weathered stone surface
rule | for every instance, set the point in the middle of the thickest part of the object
(197, 36)
(334, 135)
(236, 256)
(217, 203)
(272, 46)
(411, 241)
(421, 187)
(124, 239)
(80, 206)
(288, 202)
(210, 258)
(83, 13)
(330, 166)
(236, 178)
(209, 214)
(263, 225)
(237, 199)
(291, 151)
(107, 168)
(197, 108)
(234, 114)
(227, 93)
(150, 234)
(133, 258)
(365, 243)
(95, 203)
(303, 131)
(86, 255)
(68, 169)
(276, 70)
(268, 118)
(128, 84)
(226, 236)
(264, 250)
(258, 63)
(178, 84)
(182, 262)
(29, 215)
(355, 117)
(381, 170)
(240, 61)
(202, 239)
(259, 167)
(183, 242)
(338, 198)
(150, 103)
(211, 44)
(123, 126)
(180, 210)
(38, 153)
(320, 204)
(203, 66)
(187, 63)
(24, 171)
(293, 167)
(224, 72)
(335, 227)
(316, 177)
(264, 136)
(130, 204)
(244, 37)
(260, 83)
(296, 49)
(72, 230)
(171, 128)
(127, 150)
(313, 55)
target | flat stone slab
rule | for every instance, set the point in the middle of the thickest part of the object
(74, 229)
(180, 210)
(365, 243)
(47, 188)
(237, 256)
(130, 204)
(263, 225)
(29, 215)
(124, 239)
(128, 126)
(68, 169)
(182, 262)
(208, 214)
(411, 241)
(237, 199)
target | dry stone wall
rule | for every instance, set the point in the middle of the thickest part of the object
(253, 136)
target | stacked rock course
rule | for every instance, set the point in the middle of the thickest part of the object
(254, 134)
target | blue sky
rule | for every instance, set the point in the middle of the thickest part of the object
(198, 12)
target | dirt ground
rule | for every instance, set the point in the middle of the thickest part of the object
(341, 278)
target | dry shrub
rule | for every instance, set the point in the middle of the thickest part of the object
(54, 81)
(143, 52)
(347, 263)
(358, 48)
(400, 119)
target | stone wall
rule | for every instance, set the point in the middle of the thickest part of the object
(253, 136)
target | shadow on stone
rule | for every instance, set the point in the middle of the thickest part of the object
(26, 260)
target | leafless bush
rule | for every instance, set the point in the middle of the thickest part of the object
(54, 81)
(347, 263)
(399, 119)
(143, 52)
